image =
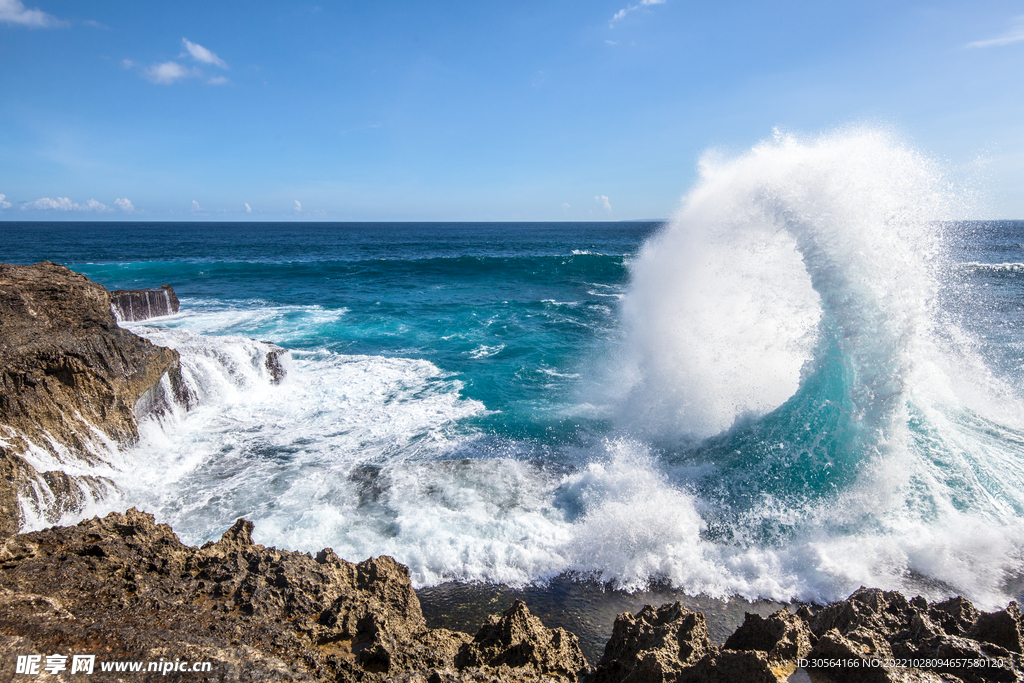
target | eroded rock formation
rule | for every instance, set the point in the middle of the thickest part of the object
(126, 589)
(70, 379)
(142, 304)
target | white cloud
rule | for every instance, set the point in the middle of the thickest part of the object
(632, 8)
(218, 80)
(565, 206)
(196, 207)
(1014, 35)
(125, 205)
(169, 72)
(603, 201)
(14, 12)
(3, 204)
(201, 54)
(93, 205)
(298, 207)
(248, 209)
(64, 204)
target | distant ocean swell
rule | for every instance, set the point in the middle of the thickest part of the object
(782, 394)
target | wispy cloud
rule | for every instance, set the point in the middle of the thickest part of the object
(169, 72)
(604, 203)
(125, 205)
(196, 207)
(298, 207)
(172, 71)
(201, 54)
(3, 204)
(1014, 35)
(621, 14)
(14, 12)
(248, 209)
(64, 204)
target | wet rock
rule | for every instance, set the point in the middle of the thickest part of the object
(132, 305)
(520, 641)
(274, 363)
(69, 382)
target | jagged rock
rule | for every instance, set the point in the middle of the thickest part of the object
(70, 379)
(868, 608)
(956, 616)
(126, 588)
(131, 305)
(1002, 628)
(861, 647)
(519, 640)
(655, 645)
(783, 637)
(728, 666)
(273, 363)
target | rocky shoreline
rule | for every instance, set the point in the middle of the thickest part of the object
(124, 590)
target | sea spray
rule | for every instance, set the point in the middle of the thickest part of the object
(787, 348)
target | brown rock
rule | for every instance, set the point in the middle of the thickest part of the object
(867, 608)
(655, 645)
(1002, 628)
(956, 616)
(520, 641)
(66, 371)
(783, 637)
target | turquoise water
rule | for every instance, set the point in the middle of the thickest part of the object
(806, 380)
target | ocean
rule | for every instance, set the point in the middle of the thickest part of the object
(807, 380)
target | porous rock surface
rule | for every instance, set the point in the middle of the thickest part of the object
(126, 589)
(70, 378)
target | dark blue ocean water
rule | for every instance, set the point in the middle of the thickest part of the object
(514, 309)
(807, 380)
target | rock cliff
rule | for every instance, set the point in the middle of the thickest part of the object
(70, 379)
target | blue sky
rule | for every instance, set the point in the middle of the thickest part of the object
(558, 110)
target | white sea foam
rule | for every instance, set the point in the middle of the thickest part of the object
(484, 351)
(777, 259)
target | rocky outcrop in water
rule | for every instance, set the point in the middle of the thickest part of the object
(131, 305)
(70, 380)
